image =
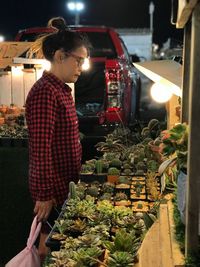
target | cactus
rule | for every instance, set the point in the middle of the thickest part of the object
(127, 171)
(87, 168)
(116, 163)
(92, 191)
(126, 166)
(99, 166)
(124, 180)
(141, 166)
(72, 190)
(108, 187)
(106, 196)
(120, 196)
(113, 171)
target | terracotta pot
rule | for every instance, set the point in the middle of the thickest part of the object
(2, 121)
(112, 178)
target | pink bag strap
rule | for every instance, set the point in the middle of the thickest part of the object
(34, 232)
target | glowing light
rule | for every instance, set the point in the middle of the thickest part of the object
(75, 6)
(17, 70)
(2, 38)
(160, 92)
(86, 64)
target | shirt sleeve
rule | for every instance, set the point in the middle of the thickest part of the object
(41, 122)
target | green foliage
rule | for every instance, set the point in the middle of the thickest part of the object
(175, 142)
(120, 259)
(86, 257)
(152, 165)
(124, 241)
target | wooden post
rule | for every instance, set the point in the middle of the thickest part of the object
(186, 73)
(193, 186)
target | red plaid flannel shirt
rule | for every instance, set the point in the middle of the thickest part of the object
(54, 145)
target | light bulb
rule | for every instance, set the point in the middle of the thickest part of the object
(160, 92)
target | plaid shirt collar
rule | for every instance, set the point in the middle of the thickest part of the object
(51, 77)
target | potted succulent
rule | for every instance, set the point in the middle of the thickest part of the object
(113, 174)
(121, 199)
(86, 172)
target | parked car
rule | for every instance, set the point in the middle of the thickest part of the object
(109, 91)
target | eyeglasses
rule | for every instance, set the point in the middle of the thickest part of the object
(80, 60)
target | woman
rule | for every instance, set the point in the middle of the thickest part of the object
(54, 145)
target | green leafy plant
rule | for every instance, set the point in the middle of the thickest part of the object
(120, 259)
(124, 241)
(175, 144)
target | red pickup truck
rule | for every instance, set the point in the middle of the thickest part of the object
(109, 92)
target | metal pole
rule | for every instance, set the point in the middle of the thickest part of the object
(186, 73)
(151, 11)
(193, 175)
(77, 18)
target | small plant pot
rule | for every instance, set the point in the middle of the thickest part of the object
(141, 196)
(122, 186)
(87, 177)
(138, 178)
(102, 177)
(123, 203)
(140, 206)
(112, 178)
(133, 191)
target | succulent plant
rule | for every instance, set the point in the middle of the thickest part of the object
(87, 256)
(152, 185)
(87, 168)
(124, 180)
(92, 191)
(124, 241)
(95, 183)
(106, 196)
(120, 259)
(108, 156)
(113, 171)
(99, 166)
(116, 163)
(120, 196)
(126, 166)
(152, 165)
(72, 190)
(141, 166)
(108, 187)
(127, 171)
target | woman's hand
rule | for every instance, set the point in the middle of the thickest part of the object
(43, 208)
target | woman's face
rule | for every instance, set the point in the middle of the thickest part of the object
(71, 65)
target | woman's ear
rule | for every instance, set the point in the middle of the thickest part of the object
(59, 56)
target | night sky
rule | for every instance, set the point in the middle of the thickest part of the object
(20, 14)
